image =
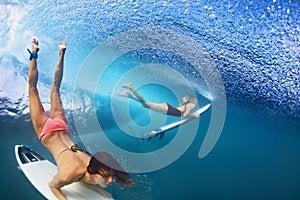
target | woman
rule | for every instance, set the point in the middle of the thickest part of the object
(73, 164)
(187, 103)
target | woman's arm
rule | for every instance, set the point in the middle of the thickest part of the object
(188, 110)
(58, 193)
(55, 184)
(97, 189)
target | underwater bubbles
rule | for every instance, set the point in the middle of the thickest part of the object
(93, 70)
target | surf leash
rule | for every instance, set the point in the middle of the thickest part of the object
(32, 54)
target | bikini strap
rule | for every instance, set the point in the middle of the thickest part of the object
(75, 148)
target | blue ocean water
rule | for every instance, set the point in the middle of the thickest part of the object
(254, 45)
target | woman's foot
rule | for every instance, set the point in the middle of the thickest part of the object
(34, 49)
(62, 46)
(35, 45)
(124, 94)
(128, 86)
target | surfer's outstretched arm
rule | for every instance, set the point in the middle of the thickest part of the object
(188, 111)
(37, 112)
(55, 186)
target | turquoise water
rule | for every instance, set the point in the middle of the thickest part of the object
(254, 46)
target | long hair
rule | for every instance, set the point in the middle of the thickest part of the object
(103, 160)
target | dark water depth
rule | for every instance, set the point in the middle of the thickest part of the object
(253, 159)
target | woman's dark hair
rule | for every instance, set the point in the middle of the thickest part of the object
(103, 160)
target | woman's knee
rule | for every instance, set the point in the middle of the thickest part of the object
(32, 91)
(54, 93)
(145, 104)
(32, 82)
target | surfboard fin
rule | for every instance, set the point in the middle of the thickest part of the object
(19, 168)
(149, 138)
(161, 135)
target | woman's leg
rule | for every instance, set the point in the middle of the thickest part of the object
(37, 112)
(57, 109)
(129, 95)
(136, 96)
(158, 107)
(162, 108)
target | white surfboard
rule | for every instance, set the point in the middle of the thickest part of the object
(39, 172)
(162, 129)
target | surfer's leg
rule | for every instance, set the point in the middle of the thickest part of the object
(158, 107)
(162, 108)
(137, 96)
(37, 112)
(57, 109)
(129, 95)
